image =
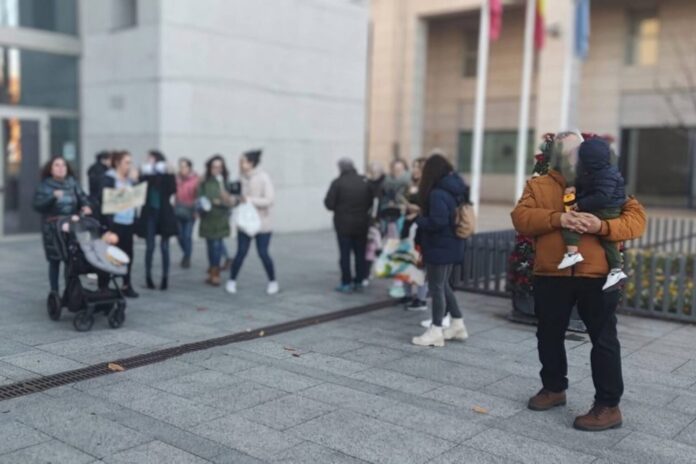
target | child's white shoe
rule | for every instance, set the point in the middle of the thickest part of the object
(445, 322)
(614, 278)
(432, 337)
(570, 260)
(456, 331)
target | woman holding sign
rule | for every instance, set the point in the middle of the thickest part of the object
(120, 177)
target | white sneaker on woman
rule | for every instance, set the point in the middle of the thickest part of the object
(272, 288)
(432, 337)
(456, 331)
(231, 287)
(445, 322)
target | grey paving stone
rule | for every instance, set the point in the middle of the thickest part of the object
(16, 436)
(495, 406)
(684, 403)
(516, 447)
(396, 380)
(464, 454)
(41, 362)
(271, 377)
(328, 363)
(287, 411)
(656, 361)
(196, 383)
(154, 452)
(367, 438)
(656, 421)
(97, 436)
(175, 410)
(309, 452)
(48, 452)
(319, 344)
(239, 396)
(514, 387)
(641, 448)
(249, 437)
(445, 372)
(349, 398)
(9, 347)
(225, 363)
(160, 372)
(452, 427)
(373, 355)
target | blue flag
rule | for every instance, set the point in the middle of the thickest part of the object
(582, 28)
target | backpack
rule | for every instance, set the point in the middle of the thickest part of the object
(465, 221)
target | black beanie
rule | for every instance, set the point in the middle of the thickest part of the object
(254, 156)
(594, 153)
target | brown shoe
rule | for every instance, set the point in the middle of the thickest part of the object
(213, 277)
(599, 418)
(546, 399)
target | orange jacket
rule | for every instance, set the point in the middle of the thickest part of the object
(538, 215)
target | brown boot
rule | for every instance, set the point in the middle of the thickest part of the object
(213, 277)
(599, 418)
(546, 399)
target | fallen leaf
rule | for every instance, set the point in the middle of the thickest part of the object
(297, 355)
(480, 410)
(262, 333)
(115, 367)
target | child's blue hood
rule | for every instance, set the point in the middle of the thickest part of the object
(594, 155)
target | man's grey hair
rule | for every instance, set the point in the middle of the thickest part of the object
(345, 164)
(569, 133)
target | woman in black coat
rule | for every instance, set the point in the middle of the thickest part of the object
(57, 195)
(157, 215)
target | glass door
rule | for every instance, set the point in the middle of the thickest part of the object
(19, 173)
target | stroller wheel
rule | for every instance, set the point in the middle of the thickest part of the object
(117, 316)
(54, 306)
(83, 321)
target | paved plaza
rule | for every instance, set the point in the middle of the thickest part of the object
(349, 391)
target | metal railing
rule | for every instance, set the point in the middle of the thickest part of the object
(661, 266)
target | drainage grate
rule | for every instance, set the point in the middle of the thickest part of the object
(47, 382)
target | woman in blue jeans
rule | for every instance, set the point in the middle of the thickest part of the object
(157, 215)
(185, 208)
(441, 192)
(257, 189)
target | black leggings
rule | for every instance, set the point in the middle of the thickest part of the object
(441, 292)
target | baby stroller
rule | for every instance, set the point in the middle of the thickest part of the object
(83, 251)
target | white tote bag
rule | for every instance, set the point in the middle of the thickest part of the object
(248, 219)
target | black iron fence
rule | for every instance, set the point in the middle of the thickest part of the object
(661, 268)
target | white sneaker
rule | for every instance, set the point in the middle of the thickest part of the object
(432, 337)
(366, 283)
(92, 276)
(445, 322)
(272, 288)
(231, 287)
(570, 260)
(614, 278)
(457, 331)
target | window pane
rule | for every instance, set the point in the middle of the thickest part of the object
(647, 52)
(663, 158)
(49, 15)
(470, 54)
(649, 27)
(65, 140)
(642, 42)
(124, 13)
(32, 78)
(499, 152)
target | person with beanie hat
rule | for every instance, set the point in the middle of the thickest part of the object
(600, 190)
(257, 189)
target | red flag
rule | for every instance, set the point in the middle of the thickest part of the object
(496, 13)
(539, 25)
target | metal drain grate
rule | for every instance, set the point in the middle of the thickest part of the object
(47, 382)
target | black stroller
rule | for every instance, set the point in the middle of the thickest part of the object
(83, 252)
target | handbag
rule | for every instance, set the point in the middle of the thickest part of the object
(184, 212)
(248, 219)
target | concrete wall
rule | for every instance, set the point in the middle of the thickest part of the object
(220, 76)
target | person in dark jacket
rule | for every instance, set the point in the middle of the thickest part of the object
(350, 198)
(157, 215)
(600, 190)
(121, 176)
(58, 194)
(102, 163)
(440, 193)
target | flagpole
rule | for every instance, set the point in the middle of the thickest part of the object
(525, 94)
(568, 66)
(479, 114)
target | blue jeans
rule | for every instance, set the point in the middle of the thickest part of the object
(186, 236)
(215, 247)
(356, 244)
(54, 274)
(263, 241)
(150, 238)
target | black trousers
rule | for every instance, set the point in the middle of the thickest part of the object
(357, 244)
(554, 299)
